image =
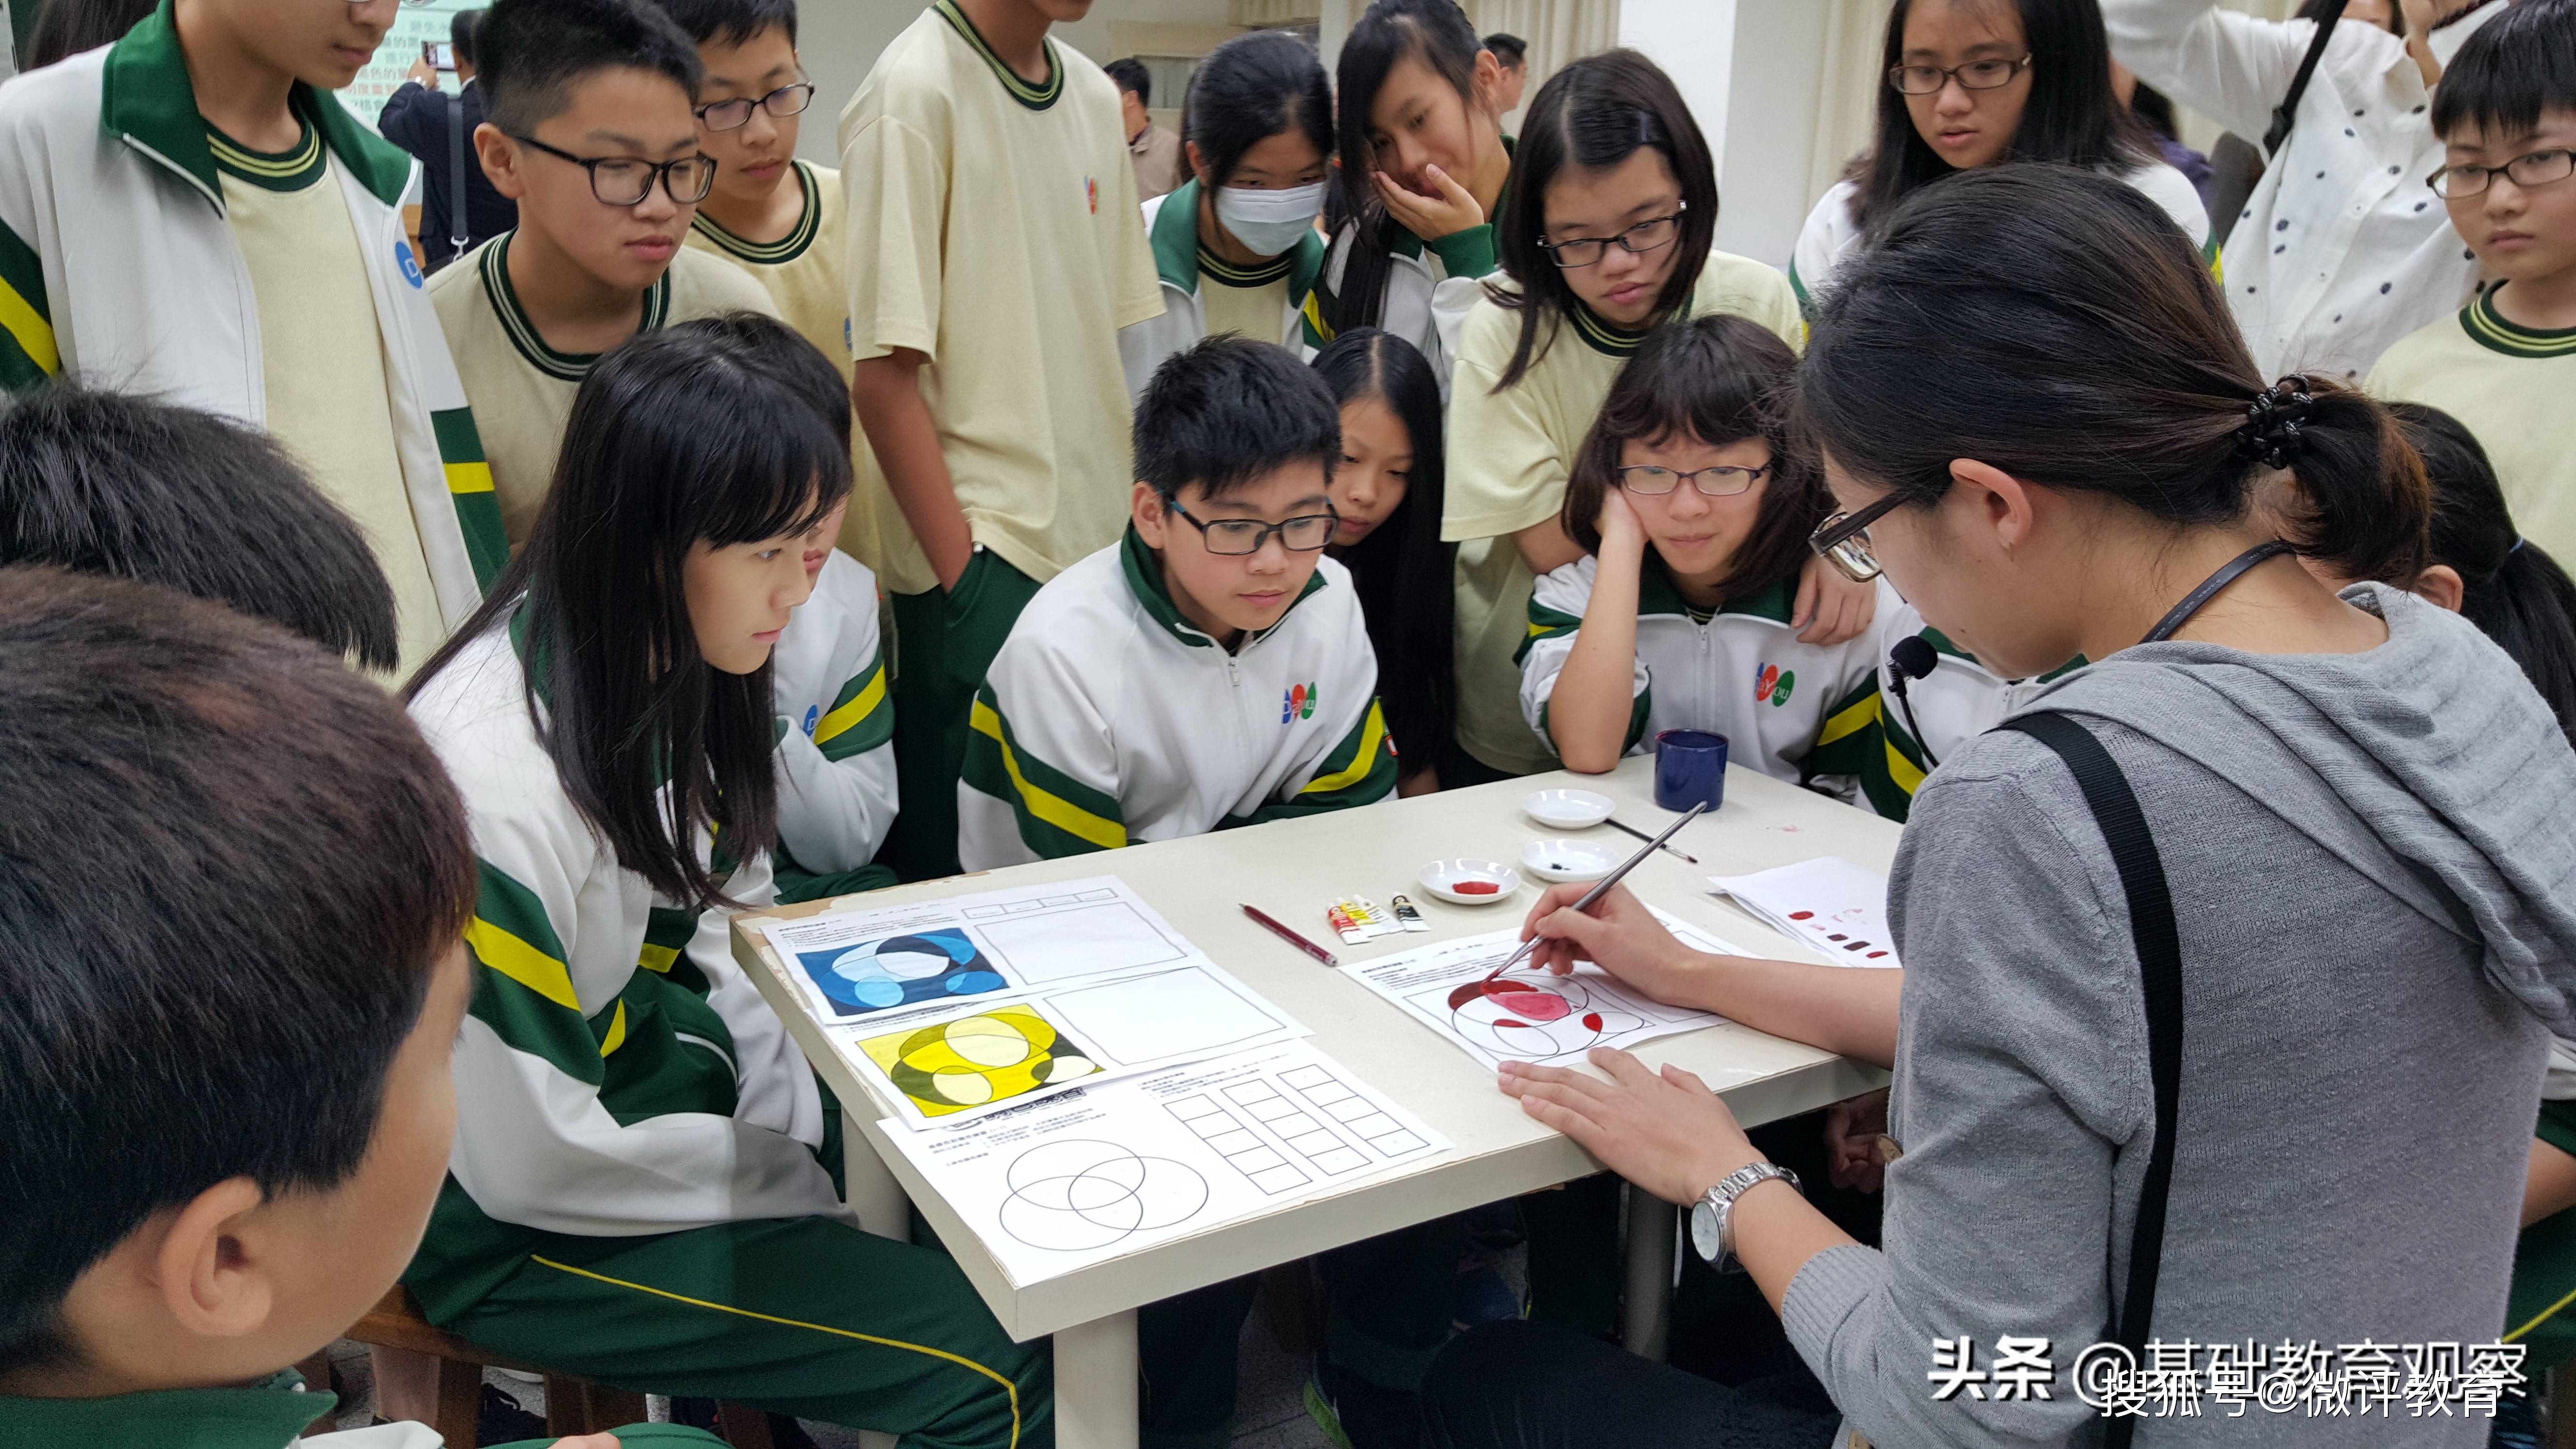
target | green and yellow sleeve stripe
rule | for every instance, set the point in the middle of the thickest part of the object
(524, 989)
(1545, 623)
(1058, 815)
(1361, 770)
(469, 484)
(860, 718)
(27, 352)
(1860, 738)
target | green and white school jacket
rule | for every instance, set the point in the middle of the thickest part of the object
(1107, 719)
(1430, 289)
(836, 791)
(1868, 735)
(617, 1074)
(1742, 672)
(1186, 269)
(118, 267)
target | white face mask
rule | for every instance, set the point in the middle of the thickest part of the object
(1269, 222)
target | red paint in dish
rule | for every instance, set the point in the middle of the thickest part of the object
(1478, 888)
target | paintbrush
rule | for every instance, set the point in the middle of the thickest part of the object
(1602, 887)
(1625, 827)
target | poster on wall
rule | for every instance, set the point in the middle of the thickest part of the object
(418, 21)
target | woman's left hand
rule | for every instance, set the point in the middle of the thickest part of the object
(1830, 608)
(1664, 1131)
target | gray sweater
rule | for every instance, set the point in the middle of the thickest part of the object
(2373, 862)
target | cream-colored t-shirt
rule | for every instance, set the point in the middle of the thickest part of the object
(2513, 387)
(521, 390)
(1252, 308)
(991, 229)
(322, 360)
(1508, 457)
(802, 272)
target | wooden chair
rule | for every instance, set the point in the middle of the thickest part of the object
(573, 1405)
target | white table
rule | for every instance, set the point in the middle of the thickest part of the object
(1293, 870)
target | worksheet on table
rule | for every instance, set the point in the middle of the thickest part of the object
(1122, 1166)
(853, 964)
(953, 1062)
(1837, 908)
(1526, 1014)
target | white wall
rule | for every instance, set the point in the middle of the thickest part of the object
(1764, 169)
(1694, 41)
(839, 41)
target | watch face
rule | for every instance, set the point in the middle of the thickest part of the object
(1707, 1230)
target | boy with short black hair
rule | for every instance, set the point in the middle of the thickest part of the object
(1153, 152)
(1212, 669)
(993, 258)
(103, 483)
(2506, 365)
(188, 1219)
(589, 129)
(1512, 54)
(189, 214)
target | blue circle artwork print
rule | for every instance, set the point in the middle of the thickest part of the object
(900, 971)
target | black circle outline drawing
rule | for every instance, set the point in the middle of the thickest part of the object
(1080, 1194)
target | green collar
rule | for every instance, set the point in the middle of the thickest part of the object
(2488, 328)
(1037, 97)
(523, 334)
(1657, 594)
(1144, 570)
(266, 1415)
(293, 169)
(1611, 341)
(1179, 259)
(782, 251)
(1941, 644)
(147, 101)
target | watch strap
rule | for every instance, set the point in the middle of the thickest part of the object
(1720, 1201)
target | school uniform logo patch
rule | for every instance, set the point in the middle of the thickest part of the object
(1091, 193)
(1298, 703)
(1774, 684)
(409, 264)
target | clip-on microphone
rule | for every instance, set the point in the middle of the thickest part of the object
(1912, 658)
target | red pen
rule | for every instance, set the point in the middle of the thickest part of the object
(1291, 937)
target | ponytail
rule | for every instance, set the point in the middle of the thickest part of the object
(2053, 323)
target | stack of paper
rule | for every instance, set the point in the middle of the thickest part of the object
(1837, 908)
(1076, 1078)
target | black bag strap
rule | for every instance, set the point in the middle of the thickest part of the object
(2285, 114)
(456, 228)
(2159, 947)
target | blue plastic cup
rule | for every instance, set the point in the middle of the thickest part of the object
(1690, 769)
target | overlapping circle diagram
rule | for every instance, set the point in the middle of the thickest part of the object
(1536, 1016)
(1079, 1194)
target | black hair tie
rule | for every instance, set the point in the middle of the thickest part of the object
(2270, 434)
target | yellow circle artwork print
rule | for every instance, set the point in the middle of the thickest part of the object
(977, 1060)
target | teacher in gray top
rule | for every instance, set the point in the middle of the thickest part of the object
(2039, 419)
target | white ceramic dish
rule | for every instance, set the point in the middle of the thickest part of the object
(1566, 860)
(1443, 877)
(1566, 809)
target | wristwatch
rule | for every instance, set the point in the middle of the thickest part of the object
(1710, 1216)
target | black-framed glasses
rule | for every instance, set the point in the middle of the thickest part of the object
(1723, 481)
(627, 180)
(1653, 234)
(1234, 537)
(2532, 168)
(1976, 75)
(735, 114)
(1843, 539)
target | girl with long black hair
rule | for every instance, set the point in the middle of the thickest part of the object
(1235, 245)
(1388, 492)
(1971, 83)
(2362, 823)
(1424, 164)
(636, 1133)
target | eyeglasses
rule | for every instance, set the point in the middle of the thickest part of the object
(735, 114)
(1843, 539)
(2537, 168)
(1976, 75)
(1722, 481)
(627, 180)
(1234, 537)
(1653, 234)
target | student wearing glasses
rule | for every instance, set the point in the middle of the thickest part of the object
(588, 127)
(1972, 85)
(2506, 364)
(1212, 668)
(1694, 513)
(1604, 236)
